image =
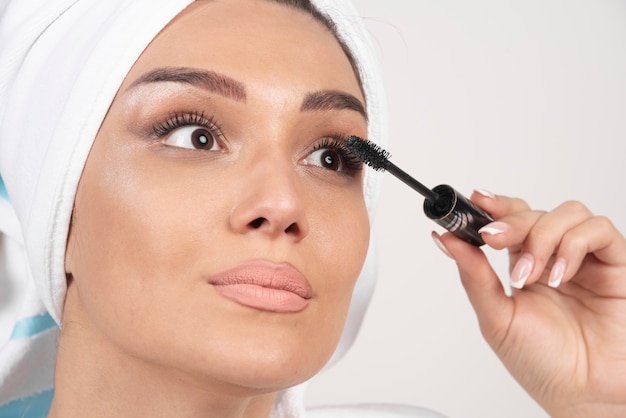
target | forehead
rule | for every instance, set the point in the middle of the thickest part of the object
(254, 41)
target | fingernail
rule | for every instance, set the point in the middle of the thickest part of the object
(557, 273)
(522, 270)
(440, 244)
(494, 228)
(485, 193)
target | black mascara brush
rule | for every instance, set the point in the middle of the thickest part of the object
(443, 204)
(378, 159)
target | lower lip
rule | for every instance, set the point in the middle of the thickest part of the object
(263, 298)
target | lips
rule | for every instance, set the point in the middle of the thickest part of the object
(265, 286)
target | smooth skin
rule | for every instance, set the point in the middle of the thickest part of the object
(563, 340)
(144, 332)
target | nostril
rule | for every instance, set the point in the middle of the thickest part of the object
(257, 223)
(293, 229)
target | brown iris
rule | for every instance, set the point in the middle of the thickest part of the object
(202, 139)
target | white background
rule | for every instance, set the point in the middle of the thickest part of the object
(525, 98)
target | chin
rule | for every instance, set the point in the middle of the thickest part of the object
(278, 368)
(263, 366)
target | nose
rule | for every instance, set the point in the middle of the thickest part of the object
(270, 202)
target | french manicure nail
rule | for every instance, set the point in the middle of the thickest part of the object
(485, 193)
(522, 270)
(440, 244)
(494, 228)
(557, 273)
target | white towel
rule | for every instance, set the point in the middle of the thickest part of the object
(61, 63)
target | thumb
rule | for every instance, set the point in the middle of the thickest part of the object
(493, 307)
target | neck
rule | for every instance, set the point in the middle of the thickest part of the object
(96, 379)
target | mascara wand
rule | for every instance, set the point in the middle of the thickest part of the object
(444, 205)
(377, 158)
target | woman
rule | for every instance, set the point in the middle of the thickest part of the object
(236, 152)
(219, 226)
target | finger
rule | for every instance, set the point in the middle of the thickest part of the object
(498, 206)
(485, 292)
(542, 242)
(510, 231)
(595, 235)
(532, 238)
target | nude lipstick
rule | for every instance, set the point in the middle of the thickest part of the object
(265, 286)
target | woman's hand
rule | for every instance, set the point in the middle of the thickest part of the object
(563, 335)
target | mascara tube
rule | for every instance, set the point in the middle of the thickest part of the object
(457, 214)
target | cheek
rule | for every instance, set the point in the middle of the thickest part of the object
(132, 247)
(343, 236)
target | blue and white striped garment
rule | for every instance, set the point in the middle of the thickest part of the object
(27, 330)
(3, 190)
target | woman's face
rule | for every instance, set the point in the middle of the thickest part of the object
(219, 225)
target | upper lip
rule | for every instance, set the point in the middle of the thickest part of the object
(280, 276)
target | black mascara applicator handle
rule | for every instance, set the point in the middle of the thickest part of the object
(411, 182)
(444, 205)
(457, 214)
(447, 207)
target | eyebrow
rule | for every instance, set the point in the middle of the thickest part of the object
(332, 100)
(236, 90)
(208, 80)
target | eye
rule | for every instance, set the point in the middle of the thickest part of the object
(193, 137)
(332, 154)
(329, 159)
(190, 130)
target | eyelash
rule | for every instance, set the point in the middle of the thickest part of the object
(178, 120)
(337, 143)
